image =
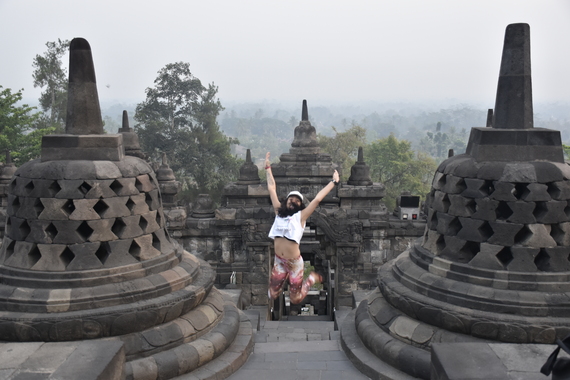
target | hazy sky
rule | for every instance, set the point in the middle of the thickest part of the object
(320, 50)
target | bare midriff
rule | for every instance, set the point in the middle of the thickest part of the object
(286, 249)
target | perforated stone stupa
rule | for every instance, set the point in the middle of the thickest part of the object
(494, 262)
(87, 255)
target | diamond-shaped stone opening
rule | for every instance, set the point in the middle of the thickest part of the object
(130, 205)
(159, 219)
(486, 231)
(13, 185)
(553, 190)
(505, 256)
(523, 235)
(442, 180)
(67, 256)
(8, 226)
(557, 233)
(143, 223)
(503, 211)
(445, 202)
(54, 188)
(10, 249)
(118, 227)
(135, 250)
(84, 230)
(29, 187)
(51, 231)
(540, 210)
(521, 191)
(24, 230)
(34, 256)
(38, 206)
(148, 200)
(139, 185)
(15, 205)
(432, 223)
(85, 187)
(471, 206)
(101, 207)
(468, 252)
(68, 207)
(116, 186)
(488, 187)
(460, 186)
(542, 261)
(103, 252)
(454, 227)
(440, 244)
(155, 241)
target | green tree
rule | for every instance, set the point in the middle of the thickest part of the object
(343, 147)
(393, 163)
(178, 117)
(51, 76)
(17, 128)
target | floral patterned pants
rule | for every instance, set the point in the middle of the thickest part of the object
(292, 268)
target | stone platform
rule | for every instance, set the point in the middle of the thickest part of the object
(213, 353)
(399, 342)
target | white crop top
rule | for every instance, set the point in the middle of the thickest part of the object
(288, 227)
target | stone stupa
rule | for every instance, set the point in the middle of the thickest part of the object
(493, 265)
(87, 258)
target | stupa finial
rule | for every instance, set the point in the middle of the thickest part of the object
(513, 105)
(83, 109)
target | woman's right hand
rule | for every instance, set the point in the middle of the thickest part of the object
(267, 160)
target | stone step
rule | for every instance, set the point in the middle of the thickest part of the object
(94, 360)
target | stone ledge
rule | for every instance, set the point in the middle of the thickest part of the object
(365, 361)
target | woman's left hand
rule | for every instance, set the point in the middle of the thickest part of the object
(336, 177)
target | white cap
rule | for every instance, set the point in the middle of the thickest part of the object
(297, 194)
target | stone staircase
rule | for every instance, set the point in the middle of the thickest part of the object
(308, 349)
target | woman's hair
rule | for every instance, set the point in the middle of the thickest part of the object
(283, 211)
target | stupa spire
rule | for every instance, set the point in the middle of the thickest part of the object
(513, 105)
(83, 109)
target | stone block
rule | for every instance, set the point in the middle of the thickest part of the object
(546, 172)
(537, 192)
(461, 206)
(503, 191)
(475, 188)
(491, 170)
(553, 259)
(106, 169)
(71, 231)
(453, 185)
(537, 235)
(474, 230)
(504, 233)
(487, 257)
(82, 147)
(522, 212)
(55, 209)
(561, 233)
(83, 209)
(550, 212)
(559, 190)
(485, 209)
(466, 167)
(440, 201)
(451, 249)
(523, 259)
(519, 172)
(447, 224)
(70, 189)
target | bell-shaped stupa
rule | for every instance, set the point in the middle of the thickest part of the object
(87, 255)
(494, 264)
